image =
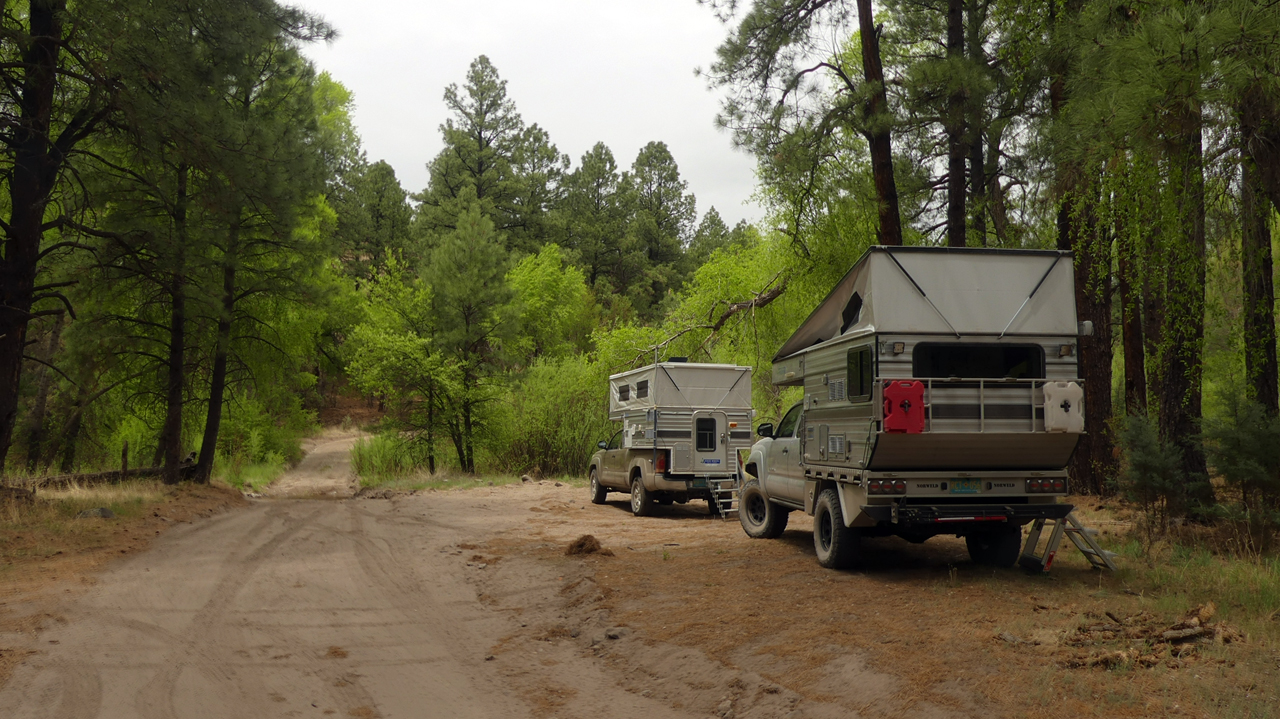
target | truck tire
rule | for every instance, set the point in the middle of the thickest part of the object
(760, 518)
(999, 548)
(598, 491)
(641, 500)
(835, 544)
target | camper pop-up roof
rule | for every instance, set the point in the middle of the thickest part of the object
(946, 291)
(680, 385)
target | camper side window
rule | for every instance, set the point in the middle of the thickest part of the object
(861, 373)
(624, 392)
(642, 389)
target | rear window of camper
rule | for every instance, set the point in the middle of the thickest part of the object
(977, 361)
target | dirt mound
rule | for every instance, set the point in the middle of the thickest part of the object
(587, 544)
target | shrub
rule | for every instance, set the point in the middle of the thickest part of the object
(559, 411)
(1243, 448)
(1151, 473)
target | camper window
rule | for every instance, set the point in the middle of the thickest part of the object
(787, 427)
(978, 361)
(705, 429)
(860, 374)
(642, 389)
(624, 392)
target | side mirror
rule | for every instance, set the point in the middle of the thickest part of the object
(765, 430)
(602, 444)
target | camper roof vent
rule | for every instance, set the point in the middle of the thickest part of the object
(677, 359)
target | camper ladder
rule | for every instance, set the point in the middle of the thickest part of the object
(724, 491)
(1080, 535)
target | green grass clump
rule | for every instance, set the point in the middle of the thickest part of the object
(244, 475)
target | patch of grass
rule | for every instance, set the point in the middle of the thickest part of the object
(248, 476)
(49, 526)
(455, 480)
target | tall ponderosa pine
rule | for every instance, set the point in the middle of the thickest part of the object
(473, 320)
(56, 94)
(490, 157)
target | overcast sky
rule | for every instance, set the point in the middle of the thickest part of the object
(616, 71)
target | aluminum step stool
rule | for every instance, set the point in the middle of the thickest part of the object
(724, 491)
(1080, 535)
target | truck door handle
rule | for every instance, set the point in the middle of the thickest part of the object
(784, 450)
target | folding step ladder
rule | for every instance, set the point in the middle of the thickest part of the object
(724, 494)
(1080, 535)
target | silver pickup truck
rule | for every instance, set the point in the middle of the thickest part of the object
(940, 397)
(682, 426)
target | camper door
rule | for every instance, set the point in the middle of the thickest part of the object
(710, 442)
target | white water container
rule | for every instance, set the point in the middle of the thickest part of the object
(1063, 407)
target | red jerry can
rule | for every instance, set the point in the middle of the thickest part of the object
(904, 407)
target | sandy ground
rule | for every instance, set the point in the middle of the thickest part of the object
(464, 604)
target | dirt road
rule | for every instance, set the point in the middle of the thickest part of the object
(464, 604)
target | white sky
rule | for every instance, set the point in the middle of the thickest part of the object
(617, 71)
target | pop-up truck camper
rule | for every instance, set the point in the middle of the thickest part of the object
(682, 424)
(940, 397)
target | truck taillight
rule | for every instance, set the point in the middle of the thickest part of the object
(662, 462)
(1057, 485)
(886, 486)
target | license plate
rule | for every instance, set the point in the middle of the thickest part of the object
(966, 486)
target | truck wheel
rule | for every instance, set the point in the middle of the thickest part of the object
(995, 549)
(836, 545)
(760, 518)
(641, 501)
(598, 491)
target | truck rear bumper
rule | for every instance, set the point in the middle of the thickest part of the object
(938, 515)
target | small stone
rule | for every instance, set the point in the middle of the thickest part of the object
(526, 478)
(559, 485)
(482, 565)
(725, 709)
(489, 657)
(617, 632)
(646, 693)
(102, 512)
(574, 633)
(1007, 637)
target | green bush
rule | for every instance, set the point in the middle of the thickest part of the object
(1243, 448)
(558, 413)
(1151, 473)
(389, 456)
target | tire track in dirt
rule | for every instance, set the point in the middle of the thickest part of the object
(199, 646)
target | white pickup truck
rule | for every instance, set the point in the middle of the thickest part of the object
(940, 396)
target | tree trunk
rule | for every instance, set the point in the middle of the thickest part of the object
(977, 166)
(39, 411)
(469, 463)
(32, 176)
(71, 432)
(431, 429)
(1180, 385)
(1259, 293)
(1135, 370)
(1093, 461)
(218, 379)
(957, 151)
(171, 434)
(879, 122)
